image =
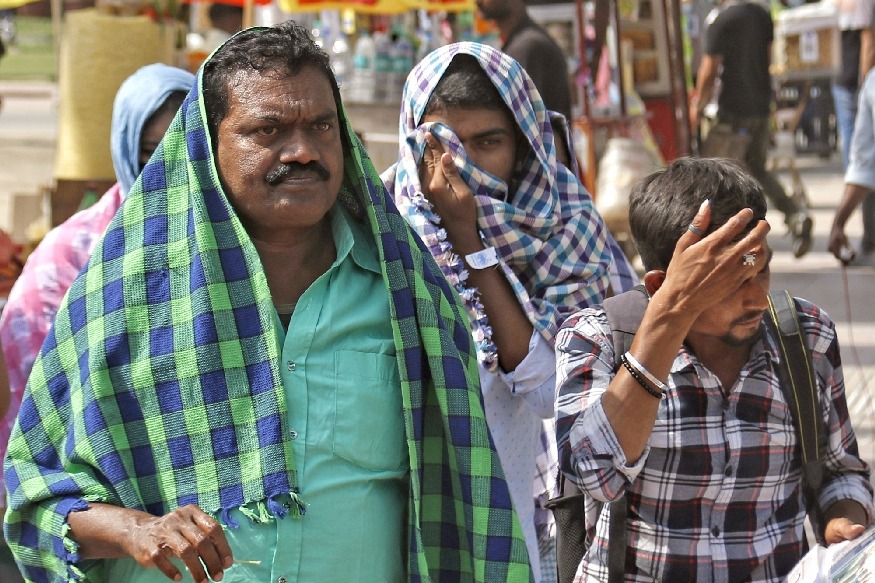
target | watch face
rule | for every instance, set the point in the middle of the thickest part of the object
(482, 259)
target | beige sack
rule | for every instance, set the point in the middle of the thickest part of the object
(98, 52)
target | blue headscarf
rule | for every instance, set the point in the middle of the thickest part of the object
(137, 99)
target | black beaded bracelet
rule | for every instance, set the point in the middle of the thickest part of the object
(640, 379)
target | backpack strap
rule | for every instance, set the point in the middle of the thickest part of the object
(617, 540)
(800, 391)
(624, 312)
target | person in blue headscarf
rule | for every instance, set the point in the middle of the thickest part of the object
(143, 109)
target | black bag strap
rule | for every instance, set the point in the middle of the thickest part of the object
(568, 491)
(624, 312)
(800, 391)
(617, 540)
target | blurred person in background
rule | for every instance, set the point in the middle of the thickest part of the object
(859, 182)
(533, 48)
(225, 20)
(857, 24)
(738, 50)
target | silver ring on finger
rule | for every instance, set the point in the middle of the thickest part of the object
(695, 230)
(749, 259)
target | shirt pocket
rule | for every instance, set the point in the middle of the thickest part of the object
(369, 413)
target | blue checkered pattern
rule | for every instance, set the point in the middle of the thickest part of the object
(551, 241)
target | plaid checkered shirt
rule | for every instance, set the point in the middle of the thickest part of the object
(716, 494)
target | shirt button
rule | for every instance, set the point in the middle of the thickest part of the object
(715, 531)
(281, 580)
(293, 434)
(291, 366)
(728, 471)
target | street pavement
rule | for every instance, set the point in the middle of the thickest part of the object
(28, 120)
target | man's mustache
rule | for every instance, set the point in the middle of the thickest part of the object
(747, 317)
(284, 171)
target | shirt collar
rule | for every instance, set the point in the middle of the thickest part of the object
(766, 347)
(352, 239)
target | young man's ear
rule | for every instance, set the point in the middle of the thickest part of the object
(653, 280)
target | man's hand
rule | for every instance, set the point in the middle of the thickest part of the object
(851, 199)
(842, 529)
(104, 531)
(453, 201)
(845, 520)
(704, 270)
(838, 242)
(187, 533)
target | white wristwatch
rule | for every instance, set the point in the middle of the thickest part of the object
(482, 259)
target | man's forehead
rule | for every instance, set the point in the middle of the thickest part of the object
(474, 120)
(261, 88)
(308, 75)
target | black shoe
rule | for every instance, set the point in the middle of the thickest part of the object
(800, 229)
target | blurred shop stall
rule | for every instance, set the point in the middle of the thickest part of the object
(626, 58)
(98, 45)
(99, 48)
(806, 58)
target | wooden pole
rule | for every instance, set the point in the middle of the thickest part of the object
(620, 64)
(248, 13)
(57, 8)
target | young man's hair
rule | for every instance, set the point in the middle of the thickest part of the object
(280, 51)
(464, 85)
(662, 205)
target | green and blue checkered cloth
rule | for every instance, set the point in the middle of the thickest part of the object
(159, 384)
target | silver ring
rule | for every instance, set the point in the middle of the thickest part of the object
(696, 230)
(749, 259)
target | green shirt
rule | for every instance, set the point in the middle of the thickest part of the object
(346, 419)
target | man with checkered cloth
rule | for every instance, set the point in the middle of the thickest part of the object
(261, 375)
(516, 233)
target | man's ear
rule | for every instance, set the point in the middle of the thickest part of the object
(653, 280)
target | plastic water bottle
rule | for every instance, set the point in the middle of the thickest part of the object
(316, 33)
(382, 65)
(341, 63)
(364, 70)
(402, 63)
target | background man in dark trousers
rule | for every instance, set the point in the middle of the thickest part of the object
(739, 39)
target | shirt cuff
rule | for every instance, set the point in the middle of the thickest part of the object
(538, 367)
(602, 440)
(848, 487)
(533, 381)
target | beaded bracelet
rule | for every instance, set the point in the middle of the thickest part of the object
(640, 379)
